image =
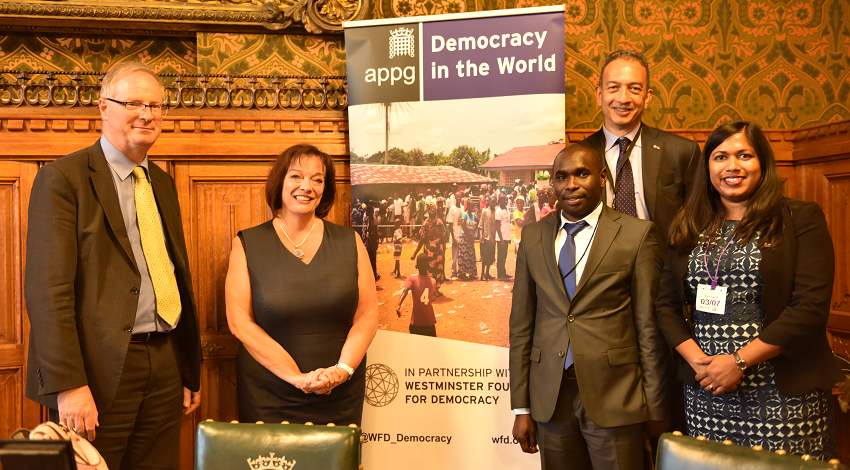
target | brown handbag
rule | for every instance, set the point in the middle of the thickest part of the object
(87, 457)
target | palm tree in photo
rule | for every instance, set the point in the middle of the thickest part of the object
(387, 111)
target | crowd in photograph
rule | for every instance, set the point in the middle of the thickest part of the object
(456, 219)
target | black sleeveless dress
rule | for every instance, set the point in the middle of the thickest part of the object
(308, 309)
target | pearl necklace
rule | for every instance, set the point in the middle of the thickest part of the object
(299, 253)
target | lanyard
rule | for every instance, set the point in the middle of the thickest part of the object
(622, 163)
(705, 260)
(590, 242)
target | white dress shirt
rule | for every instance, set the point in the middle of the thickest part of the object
(583, 239)
(612, 153)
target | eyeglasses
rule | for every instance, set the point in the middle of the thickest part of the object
(133, 106)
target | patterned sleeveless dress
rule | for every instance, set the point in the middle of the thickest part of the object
(757, 413)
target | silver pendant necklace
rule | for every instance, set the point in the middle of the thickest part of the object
(299, 253)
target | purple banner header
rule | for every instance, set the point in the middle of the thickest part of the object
(498, 56)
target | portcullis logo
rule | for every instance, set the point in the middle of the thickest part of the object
(402, 43)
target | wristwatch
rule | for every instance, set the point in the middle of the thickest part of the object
(742, 364)
(346, 368)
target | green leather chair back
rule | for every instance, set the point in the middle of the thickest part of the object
(237, 446)
(677, 452)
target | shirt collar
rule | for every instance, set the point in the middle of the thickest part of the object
(120, 163)
(592, 219)
(611, 139)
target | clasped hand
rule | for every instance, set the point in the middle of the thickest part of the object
(718, 374)
(321, 381)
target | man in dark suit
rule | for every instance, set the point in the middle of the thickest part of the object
(650, 173)
(656, 166)
(586, 356)
(114, 344)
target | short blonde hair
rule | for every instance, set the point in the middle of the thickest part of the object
(121, 70)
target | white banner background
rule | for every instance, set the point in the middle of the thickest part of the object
(480, 433)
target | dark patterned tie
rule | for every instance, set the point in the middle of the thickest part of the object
(624, 198)
(567, 263)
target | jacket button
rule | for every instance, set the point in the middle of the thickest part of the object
(128, 328)
(560, 353)
(571, 318)
(134, 291)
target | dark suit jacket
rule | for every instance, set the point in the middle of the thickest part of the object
(82, 280)
(617, 347)
(798, 277)
(668, 162)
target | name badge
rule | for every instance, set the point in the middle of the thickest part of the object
(711, 300)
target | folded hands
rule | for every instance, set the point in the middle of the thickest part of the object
(321, 381)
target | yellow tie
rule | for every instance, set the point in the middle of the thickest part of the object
(153, 245)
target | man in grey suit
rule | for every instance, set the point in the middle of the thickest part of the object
(649, 171)
(114, 345)
(586, 356)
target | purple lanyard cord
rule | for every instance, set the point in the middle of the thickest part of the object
(705, 259)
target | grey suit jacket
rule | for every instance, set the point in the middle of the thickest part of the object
(618, 349)
(82, 281)
(669, 162)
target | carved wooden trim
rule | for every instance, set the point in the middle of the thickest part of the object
(184, 137)
(314, 16)
(68, 90)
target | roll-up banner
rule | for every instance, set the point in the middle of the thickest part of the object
(446, 114)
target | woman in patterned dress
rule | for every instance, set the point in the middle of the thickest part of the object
(752, 271)
(467, 266)
(433, 237)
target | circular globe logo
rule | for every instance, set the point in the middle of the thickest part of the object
(381, 385)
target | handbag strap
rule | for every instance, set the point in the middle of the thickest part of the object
(86, 456)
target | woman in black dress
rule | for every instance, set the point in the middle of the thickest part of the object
(301, 298)
(744, 300)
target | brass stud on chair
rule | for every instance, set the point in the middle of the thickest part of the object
(806, 457)
(758, 447)
(727, 442)
(234, 422)
(284, 422)
(701, 438)
(352, 425)
(781, 452)
(308, 423)
(210, 420)
(677, 433)
(834, 461)
(330, 425)
(259, 422)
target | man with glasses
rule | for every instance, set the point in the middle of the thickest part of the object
(114, 347)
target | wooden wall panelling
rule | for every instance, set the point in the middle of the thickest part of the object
(15, 186)
(836, 205)
(209, 137)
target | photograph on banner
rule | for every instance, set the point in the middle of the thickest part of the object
(449, 185)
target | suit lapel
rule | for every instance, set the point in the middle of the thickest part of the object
(104, 188)
(597, 142)
(548, 246)
(606, 230)
(651, 151)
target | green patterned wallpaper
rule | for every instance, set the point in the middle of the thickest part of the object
(265, 54)
(94, 53)
(782, 63)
